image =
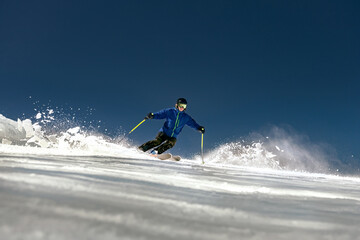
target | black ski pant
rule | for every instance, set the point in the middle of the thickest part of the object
(161, 139)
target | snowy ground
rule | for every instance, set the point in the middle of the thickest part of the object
(44, 196)
(74, 185)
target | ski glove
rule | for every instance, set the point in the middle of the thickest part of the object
(149, 116)
(201, 129)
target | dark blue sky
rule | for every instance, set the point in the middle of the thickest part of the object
(242, 65)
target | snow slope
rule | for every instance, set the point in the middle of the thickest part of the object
(78, 186)
(99, 197)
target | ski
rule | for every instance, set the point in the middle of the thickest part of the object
(167, 156)
(163, 156)
(176, 158)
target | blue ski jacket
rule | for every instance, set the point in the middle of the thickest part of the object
(175, 121)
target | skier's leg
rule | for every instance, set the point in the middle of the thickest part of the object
(153, 143)
(169, 143)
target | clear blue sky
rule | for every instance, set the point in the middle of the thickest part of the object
(242, 65)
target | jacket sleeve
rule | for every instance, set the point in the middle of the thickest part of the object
(161, 114)
(191, 123)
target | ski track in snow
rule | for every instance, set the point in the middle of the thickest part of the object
(102, 197)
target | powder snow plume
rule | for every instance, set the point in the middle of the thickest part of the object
(241, 154)
(282, 149)
(24, 136)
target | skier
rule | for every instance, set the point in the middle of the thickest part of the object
(176, 118)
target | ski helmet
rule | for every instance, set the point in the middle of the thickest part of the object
(181, 101)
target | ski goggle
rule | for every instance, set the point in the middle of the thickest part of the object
(181, 105)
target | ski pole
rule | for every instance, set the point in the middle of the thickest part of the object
(137, 126)
(132, 130)
(202, 148)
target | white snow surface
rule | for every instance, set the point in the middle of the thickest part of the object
(78, 186)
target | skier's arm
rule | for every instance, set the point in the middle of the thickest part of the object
(161, 114)
(191, 123)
